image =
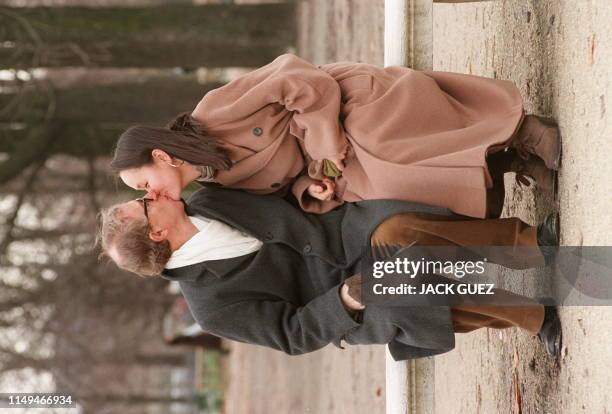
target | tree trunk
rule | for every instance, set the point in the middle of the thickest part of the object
(161, 359)
(28, 151)
(203, 340)
(89, 119)
(153, 101)
(165, 36)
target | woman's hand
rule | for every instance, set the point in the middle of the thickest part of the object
(323, 191)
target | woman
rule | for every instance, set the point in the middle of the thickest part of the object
(347, 131)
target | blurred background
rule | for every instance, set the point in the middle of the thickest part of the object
(73, 75)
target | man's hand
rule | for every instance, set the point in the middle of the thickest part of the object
(323, 191)
(350, 292)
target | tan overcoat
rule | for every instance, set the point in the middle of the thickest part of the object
(420, 136)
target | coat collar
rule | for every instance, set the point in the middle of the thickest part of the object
(211, 213)
(218, 268)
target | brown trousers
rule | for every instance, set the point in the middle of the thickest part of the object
(455, 230)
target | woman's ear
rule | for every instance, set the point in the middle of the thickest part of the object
(161, 155)
(158, 235)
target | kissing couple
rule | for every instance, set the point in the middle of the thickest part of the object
(305, 170)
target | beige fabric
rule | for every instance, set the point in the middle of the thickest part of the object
(412, 135)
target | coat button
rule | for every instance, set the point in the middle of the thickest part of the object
(257, 131)
(308, 248)
(275, 185)
(269, 236)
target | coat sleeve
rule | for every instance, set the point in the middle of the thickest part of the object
(310, 93)
(308, 203)
(283, 326)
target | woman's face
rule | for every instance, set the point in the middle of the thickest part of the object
(158, 178)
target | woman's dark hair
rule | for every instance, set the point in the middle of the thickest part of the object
(183, 138)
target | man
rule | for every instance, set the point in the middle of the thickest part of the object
(258, 270)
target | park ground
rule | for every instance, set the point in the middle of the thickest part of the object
(559, 54)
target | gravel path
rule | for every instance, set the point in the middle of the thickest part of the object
(558, 53)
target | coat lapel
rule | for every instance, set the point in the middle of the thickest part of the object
(185, 273)
(205, 210)
(219, 268)
(247, 165)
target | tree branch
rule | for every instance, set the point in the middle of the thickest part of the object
(20, 199)
(33, 149)
(91, 181)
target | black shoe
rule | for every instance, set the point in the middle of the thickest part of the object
(551, 333)
(548, 237)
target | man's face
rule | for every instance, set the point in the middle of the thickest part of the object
(163, 213)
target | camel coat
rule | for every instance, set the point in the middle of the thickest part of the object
(418, 136)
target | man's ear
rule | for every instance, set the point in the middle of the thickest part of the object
(161, 155)
(158, 235)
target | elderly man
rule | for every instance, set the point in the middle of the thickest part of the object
(256, 269)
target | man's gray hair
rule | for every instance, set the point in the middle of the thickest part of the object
(126, 241)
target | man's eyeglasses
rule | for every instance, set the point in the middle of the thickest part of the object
(144, 201)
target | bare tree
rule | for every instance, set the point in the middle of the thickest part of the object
(187, 35)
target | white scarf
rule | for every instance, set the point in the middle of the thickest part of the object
(213, 241)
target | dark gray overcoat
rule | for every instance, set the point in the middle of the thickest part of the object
(286, 295)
